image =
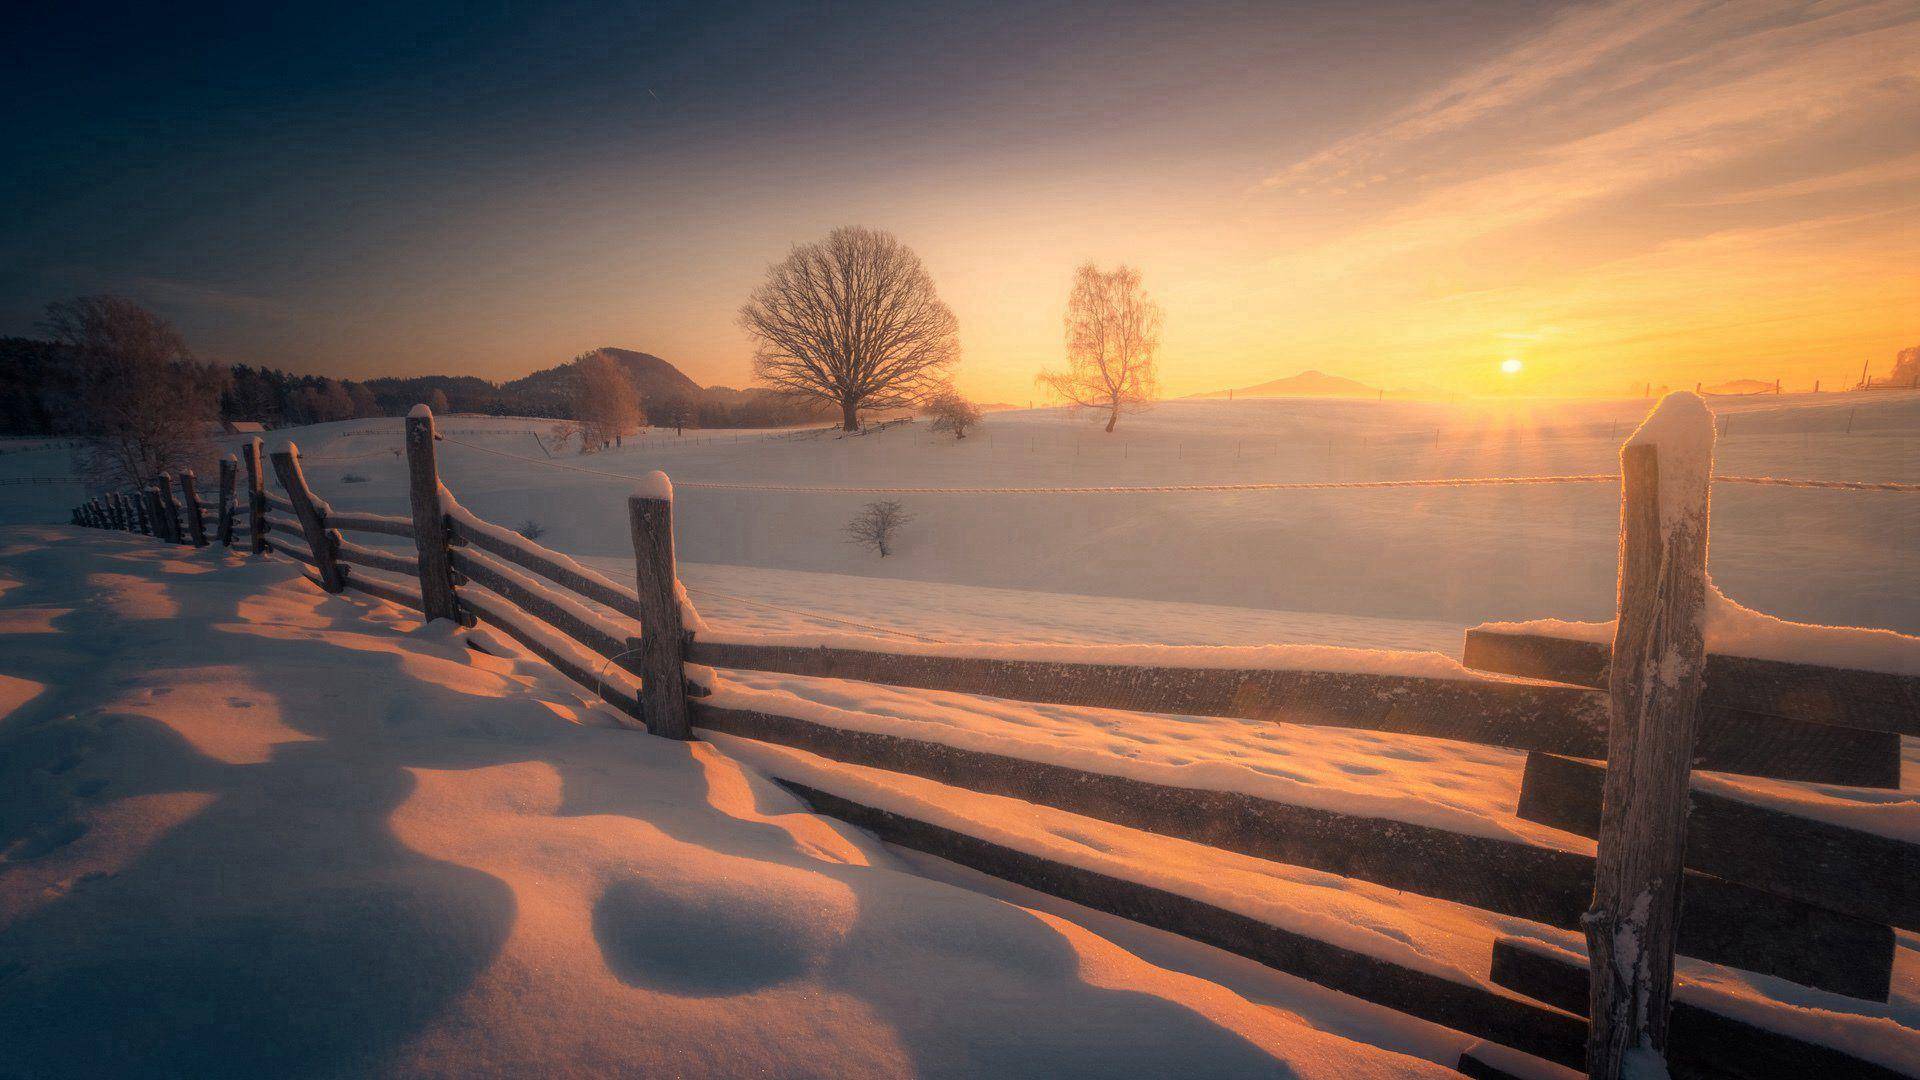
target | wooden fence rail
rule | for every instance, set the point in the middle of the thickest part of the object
(1609, 755)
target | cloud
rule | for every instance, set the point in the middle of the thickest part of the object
(1621, 100)
(167, 292)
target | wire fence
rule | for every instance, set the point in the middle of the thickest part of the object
(1156, 489)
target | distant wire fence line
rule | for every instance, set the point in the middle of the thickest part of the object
(1153, 489)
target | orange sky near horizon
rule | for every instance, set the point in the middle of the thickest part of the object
(1612, 193)
(1628, 192)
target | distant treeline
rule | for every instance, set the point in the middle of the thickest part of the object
(39, 381)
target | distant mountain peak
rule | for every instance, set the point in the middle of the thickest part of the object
(1309, 383)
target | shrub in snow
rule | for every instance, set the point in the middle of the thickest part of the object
(951, 412)
(873, 527)
(531, 529)
(353, 478)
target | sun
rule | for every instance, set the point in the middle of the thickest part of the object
(1511, 366)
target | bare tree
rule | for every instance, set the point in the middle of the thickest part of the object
(437, 401)
(874, 526)
(604, 401)
(145, 406)
(1113, 333)
(852, 319)
(952, 412)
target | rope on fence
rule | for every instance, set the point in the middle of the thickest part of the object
(1151, 489)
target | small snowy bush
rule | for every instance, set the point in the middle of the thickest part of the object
(951, 412)
(531, 529)
(353, 478)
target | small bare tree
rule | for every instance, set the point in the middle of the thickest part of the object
(145, 406)
(1113, 334)
(952, 412)
(853, 319)
(873, 527)
(604, 401)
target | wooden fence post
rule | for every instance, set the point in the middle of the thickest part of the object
(155, 512)
(663, 641)
(1653, 687)
(116, 511)
(223, 529)
(323, 542)
(430, 532)
(196, 522)
(170, 509)
(256, 500)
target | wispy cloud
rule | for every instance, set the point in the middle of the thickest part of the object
(1626, 98)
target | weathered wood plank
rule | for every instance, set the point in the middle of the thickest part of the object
(430, 531)
(313, 523)
(663, 641)
(1518, 715)
(1726, 924)
(383, 590)
(513, 622)
(256, 498)
(619, 600)
(374, 523)
(190, 499)
(1857, 873)
(1511, 1021)
(379, 560)
(1840, 697)
(229, 470)
(517, 590)
(1703, 1042)
(1653, 689)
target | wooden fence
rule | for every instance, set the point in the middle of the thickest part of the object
(1609, 754)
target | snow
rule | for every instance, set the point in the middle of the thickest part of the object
(420, 412)
(654, 485)
(1680, 429)
(1734, 630)
(257, 830)
(1253, 657)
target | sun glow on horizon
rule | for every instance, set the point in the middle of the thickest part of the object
(1511, 366)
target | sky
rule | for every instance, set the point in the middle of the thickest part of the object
(1407, 193)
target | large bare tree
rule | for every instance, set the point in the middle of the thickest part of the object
(1113, 335)
(852, 319)
(146, 407)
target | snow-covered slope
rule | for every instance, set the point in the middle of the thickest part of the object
(1262, 566)
(1446, 556)
(253, 830)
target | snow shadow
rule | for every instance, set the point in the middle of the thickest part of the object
(274, 925)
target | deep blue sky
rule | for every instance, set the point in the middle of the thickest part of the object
(365, 189)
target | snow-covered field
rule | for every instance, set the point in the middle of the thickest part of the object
(1402, 569)
(253, 830)
(1431, 560)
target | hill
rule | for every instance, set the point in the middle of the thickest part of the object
(1305, 384)
(1741, 386)
(664, 389)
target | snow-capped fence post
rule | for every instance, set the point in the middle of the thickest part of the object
(196, 522)
(663, 639)
(169, 509)
(256, 500)
(1653, 688)
(430, 533)
(223, 528)
(313, 519)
